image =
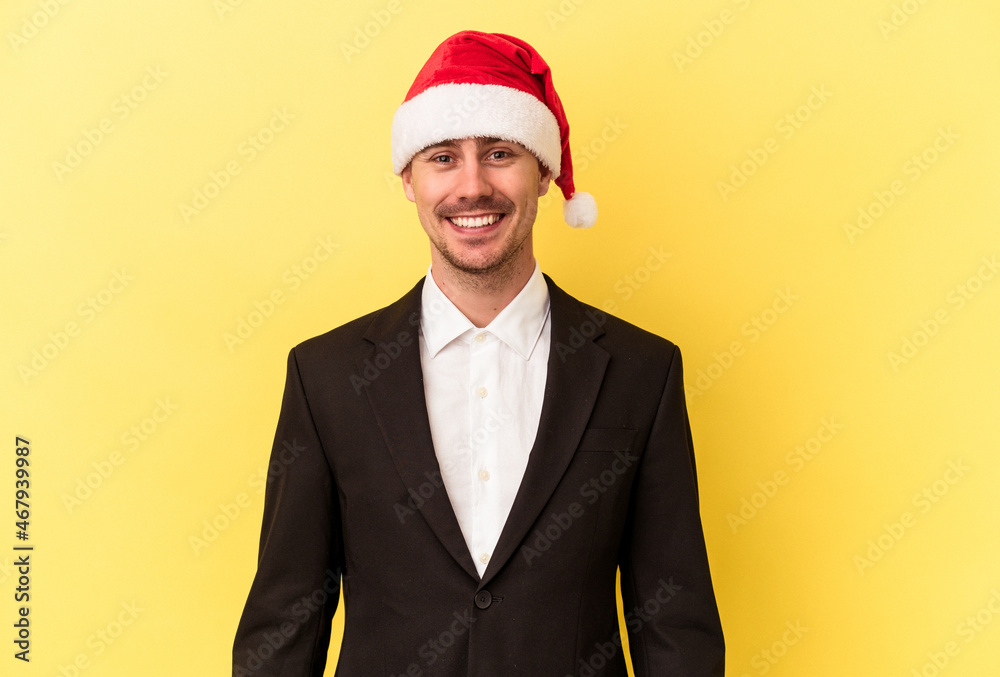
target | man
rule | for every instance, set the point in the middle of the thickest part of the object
(476, 460)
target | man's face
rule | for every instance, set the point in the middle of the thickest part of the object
(477, 200)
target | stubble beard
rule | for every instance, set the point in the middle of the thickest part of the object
(493, 274)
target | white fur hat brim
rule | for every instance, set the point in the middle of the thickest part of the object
(462, 110)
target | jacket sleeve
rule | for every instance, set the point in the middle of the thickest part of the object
(285, 627)
(669, 604)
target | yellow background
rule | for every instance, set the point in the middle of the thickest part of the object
(666, 100)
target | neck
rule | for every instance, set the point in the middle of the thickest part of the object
(482, 296)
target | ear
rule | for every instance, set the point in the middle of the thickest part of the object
(407, 176)
(543, 179)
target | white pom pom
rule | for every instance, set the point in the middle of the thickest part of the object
(580, 211)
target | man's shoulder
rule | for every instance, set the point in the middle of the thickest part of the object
(399, 316)
(609, 331)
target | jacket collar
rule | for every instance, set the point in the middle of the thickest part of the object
(518, 325)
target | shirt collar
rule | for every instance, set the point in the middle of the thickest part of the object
(518, 325)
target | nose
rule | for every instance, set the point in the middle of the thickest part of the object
(472, 181)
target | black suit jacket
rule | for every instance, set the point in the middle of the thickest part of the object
(355, 494)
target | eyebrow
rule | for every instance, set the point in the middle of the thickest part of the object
(453, 143)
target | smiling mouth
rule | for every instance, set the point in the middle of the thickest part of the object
(475, 221)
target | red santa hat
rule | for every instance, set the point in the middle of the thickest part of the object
(489, 84)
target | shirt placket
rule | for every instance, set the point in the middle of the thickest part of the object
(484, 385)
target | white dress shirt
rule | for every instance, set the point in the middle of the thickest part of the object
(484, 390)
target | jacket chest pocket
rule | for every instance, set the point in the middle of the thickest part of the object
(605, 463)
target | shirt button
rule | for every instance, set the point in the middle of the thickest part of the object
(484, 558)
(480, 338)
(484, 475)
(481, 391)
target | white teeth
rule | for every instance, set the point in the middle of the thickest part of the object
(475, 221)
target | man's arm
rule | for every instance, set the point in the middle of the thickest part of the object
(670, 609)
(285, 627)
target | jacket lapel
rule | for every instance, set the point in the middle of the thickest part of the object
(396, 395)
(575, 371)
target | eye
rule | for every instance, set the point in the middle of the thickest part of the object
(499, 155)
(441, 159)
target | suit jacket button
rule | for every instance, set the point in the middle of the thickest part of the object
(484, 599)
